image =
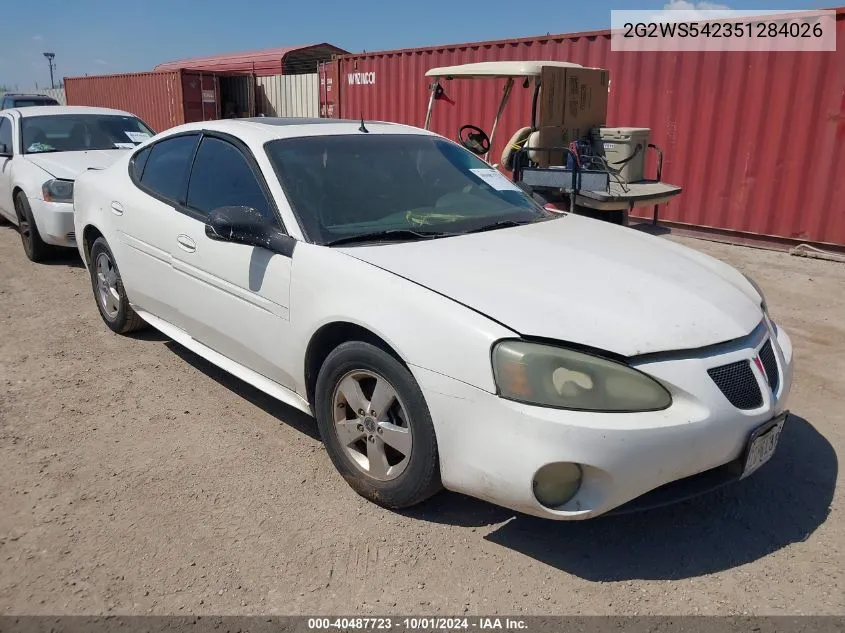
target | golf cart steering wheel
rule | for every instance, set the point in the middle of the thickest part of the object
(474, 139)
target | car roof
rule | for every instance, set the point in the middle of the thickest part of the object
(59, 110)
(259, 130)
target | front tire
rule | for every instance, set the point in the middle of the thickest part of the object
(376, 426)
(34, 247)
(109, 293)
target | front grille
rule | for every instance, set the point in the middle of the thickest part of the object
(71, 236)
(738, 383)
(767, 357)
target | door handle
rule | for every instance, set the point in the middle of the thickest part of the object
(186, 243)
(117, 208)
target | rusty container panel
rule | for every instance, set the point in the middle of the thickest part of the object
(757, 140)
(154, 97)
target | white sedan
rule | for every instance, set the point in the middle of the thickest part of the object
(444, 329)
(42, 151)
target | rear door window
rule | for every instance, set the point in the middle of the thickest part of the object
(139, 161)
(166, 172)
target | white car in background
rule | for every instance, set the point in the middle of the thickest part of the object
(444, 329)
(42, 151)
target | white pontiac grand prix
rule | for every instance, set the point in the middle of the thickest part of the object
(444, 329)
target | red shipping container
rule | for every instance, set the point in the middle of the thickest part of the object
(161, 99)
(757, 140)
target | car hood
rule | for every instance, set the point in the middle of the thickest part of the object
(583, 281)
(68, 165)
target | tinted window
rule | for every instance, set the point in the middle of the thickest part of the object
(139, 162)
(29, 102)
(342, 186)
(167, 166)
(222, 177)
(6, 133)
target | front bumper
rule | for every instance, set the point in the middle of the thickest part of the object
(54, 221)
(491, 448)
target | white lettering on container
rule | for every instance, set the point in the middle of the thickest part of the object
(362, 79)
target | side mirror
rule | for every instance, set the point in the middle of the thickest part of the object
(5, 151)
(245, 225)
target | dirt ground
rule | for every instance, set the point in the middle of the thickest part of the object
(137, 478)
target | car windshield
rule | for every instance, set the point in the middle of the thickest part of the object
(81, 132)
(398, 186)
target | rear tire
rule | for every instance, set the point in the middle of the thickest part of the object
(388, 456)
(109, 293)
(34, 247)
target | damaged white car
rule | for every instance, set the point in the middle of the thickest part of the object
(444, 329)
(42, 151)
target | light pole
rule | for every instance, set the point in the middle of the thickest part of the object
(50, 57)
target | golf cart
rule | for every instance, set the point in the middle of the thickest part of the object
(566, 157)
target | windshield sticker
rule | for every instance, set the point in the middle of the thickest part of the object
(495, 179)
(40, 147)
(124, 145)
(137, 137)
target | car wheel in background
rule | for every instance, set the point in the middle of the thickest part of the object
(34, 247)
(108, 291)
(376, 426)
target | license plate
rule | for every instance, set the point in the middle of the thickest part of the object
(762, 445)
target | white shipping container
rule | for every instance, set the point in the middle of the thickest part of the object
(288, 95)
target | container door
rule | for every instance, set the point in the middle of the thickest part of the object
(329, 107)
(199, 96)
(209, 97)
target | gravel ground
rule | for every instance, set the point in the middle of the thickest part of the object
(137, 478)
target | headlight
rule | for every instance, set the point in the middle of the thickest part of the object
(58, 190)
(759, 292)
(562, 378)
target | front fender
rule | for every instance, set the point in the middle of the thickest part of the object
(29, 178)
(424, 328)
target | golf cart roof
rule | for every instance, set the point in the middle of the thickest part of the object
(497, 69)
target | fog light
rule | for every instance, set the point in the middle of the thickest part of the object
(557, 483)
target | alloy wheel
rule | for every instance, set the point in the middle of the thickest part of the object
(372, 425)
(107, 282)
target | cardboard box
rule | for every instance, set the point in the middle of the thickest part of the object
(572, 100)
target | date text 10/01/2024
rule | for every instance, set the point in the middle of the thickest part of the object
(418, 623)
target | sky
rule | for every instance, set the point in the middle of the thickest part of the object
(98, 37)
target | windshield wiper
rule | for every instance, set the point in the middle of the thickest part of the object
(501, 224)
(387, 236)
